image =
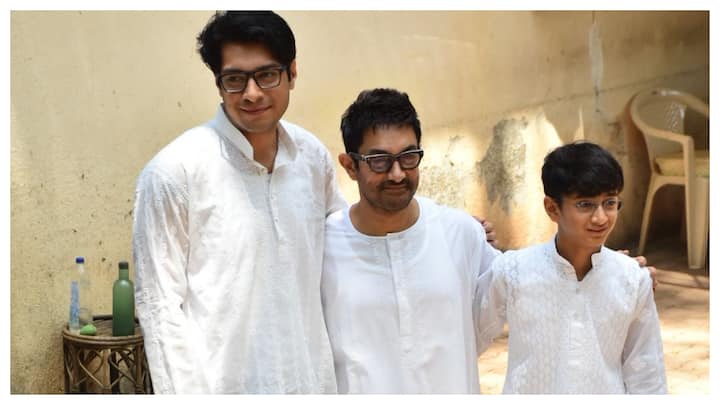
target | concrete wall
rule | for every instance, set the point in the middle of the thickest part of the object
(94, 95)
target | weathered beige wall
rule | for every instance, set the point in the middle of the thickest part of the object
(95, 94)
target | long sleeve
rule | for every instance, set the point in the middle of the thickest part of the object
(643, 365)
(160, 251)
(489, 305)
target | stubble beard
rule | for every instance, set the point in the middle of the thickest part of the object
(392, 203)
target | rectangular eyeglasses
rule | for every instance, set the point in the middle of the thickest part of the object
(383, 162)
(235, 81)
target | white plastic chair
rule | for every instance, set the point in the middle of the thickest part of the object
(660, 116)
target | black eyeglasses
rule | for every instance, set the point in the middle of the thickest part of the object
(383, 162)
(235, 81)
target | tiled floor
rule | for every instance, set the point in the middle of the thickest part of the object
(682, 299)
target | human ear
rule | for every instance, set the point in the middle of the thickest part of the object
(293, 74)
(348, 163)
(551, 208)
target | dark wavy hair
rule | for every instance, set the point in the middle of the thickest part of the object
(583, 169)
(374, 109)
(258, 27)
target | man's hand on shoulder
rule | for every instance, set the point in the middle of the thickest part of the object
(489, 230)
(642, 261)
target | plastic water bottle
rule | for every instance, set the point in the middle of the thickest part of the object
(86, 314)
(74, 321)
(123, 307)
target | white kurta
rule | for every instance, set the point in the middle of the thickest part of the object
(228, 262)
(599, 335)
(399, 307)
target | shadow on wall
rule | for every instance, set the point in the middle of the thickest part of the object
(629, 148)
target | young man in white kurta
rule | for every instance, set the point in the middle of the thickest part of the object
(229, 231)
(399, 307)
(586, 327)
(229, 260)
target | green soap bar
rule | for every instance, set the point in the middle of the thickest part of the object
(88, 329)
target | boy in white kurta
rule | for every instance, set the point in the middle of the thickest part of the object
(581, 317)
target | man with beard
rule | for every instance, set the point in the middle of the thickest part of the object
(400, 272)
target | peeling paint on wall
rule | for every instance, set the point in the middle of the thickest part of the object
(444, 182)
(503, 167)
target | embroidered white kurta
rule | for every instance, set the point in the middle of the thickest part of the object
(399, 307)
(599, 335)
(228, 262)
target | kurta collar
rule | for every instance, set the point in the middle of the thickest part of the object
(564, 266)
(287, 149)
(411, 232)
(406, 246)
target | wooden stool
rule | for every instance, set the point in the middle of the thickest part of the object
(104, 363)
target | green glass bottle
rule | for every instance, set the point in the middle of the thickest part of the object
(123, 308)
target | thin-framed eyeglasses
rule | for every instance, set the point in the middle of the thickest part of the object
(383, 162)
(236, 81)
(588, 207)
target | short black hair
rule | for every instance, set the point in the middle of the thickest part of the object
(259, 27)
(374, 109)
(583, 169)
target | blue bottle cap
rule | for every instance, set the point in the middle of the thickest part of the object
(79, 259)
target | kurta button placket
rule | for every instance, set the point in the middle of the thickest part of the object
(272, 202)
(395, 252)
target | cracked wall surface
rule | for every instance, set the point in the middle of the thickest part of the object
(503, 167)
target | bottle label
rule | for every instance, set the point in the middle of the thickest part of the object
(74, 323)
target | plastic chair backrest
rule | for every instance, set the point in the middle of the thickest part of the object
(660, 115)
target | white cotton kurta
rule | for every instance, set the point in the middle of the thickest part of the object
(399, 307)
(228, 263)
(597, 336)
